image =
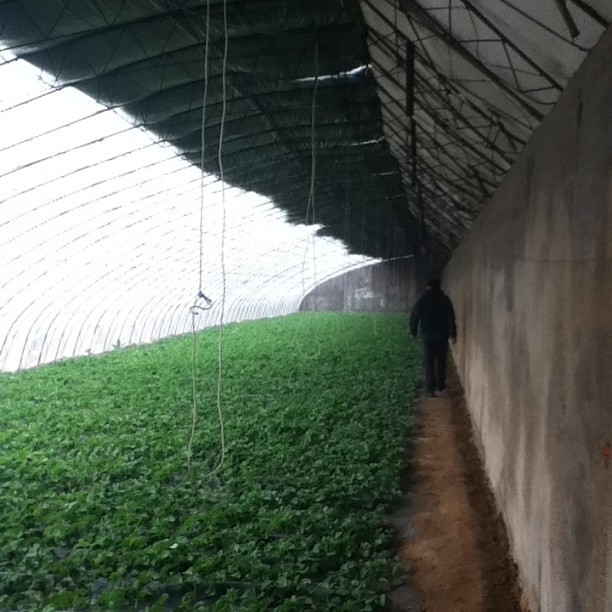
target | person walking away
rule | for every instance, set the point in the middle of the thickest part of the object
(433, 319)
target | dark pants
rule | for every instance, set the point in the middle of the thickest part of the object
(434, 360)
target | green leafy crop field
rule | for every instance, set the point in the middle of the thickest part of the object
(98, 510)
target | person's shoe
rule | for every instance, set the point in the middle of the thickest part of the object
(442, 392)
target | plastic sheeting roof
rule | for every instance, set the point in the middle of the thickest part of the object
(481, 76)
(283, 60)
(100, 233)
(386, 124)
(463, 84)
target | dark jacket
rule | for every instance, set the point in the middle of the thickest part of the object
(434, 317)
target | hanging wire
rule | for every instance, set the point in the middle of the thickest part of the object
(223, 228)
(313, 144)
(203, 144)
(202, 302)
(311, 195)
(347, 220)
(201, 296)
(197, 307)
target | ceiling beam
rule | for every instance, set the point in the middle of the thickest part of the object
(470, 7)
(413, 9)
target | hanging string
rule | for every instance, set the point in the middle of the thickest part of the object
(313, 173)
(347, 219)
(202, 302)
(313, 170)
(223, 228)
(203, 145)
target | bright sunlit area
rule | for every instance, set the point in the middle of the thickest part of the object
(108, 234)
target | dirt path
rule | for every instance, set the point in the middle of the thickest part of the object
(453, 540)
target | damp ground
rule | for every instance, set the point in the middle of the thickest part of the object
(451, 538)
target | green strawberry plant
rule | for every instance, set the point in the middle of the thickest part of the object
(99, 510)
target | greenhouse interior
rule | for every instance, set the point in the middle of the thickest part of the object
(218, 221)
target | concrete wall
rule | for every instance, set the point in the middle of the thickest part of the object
(532, 286)
(390, 286)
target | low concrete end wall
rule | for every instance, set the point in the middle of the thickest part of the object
(532, 286)
(389, 286)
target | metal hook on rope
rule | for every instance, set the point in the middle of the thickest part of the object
(196, 308)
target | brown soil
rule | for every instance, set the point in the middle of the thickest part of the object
(452, 538)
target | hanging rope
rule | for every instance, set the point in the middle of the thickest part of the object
(223, 227)
(202, 302)
(313, 170)
(347, 219)
(203, 145)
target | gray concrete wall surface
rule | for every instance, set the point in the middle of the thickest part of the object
(389, 286)
(532, 286)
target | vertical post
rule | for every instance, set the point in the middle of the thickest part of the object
(410, 110)
(411, 152)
